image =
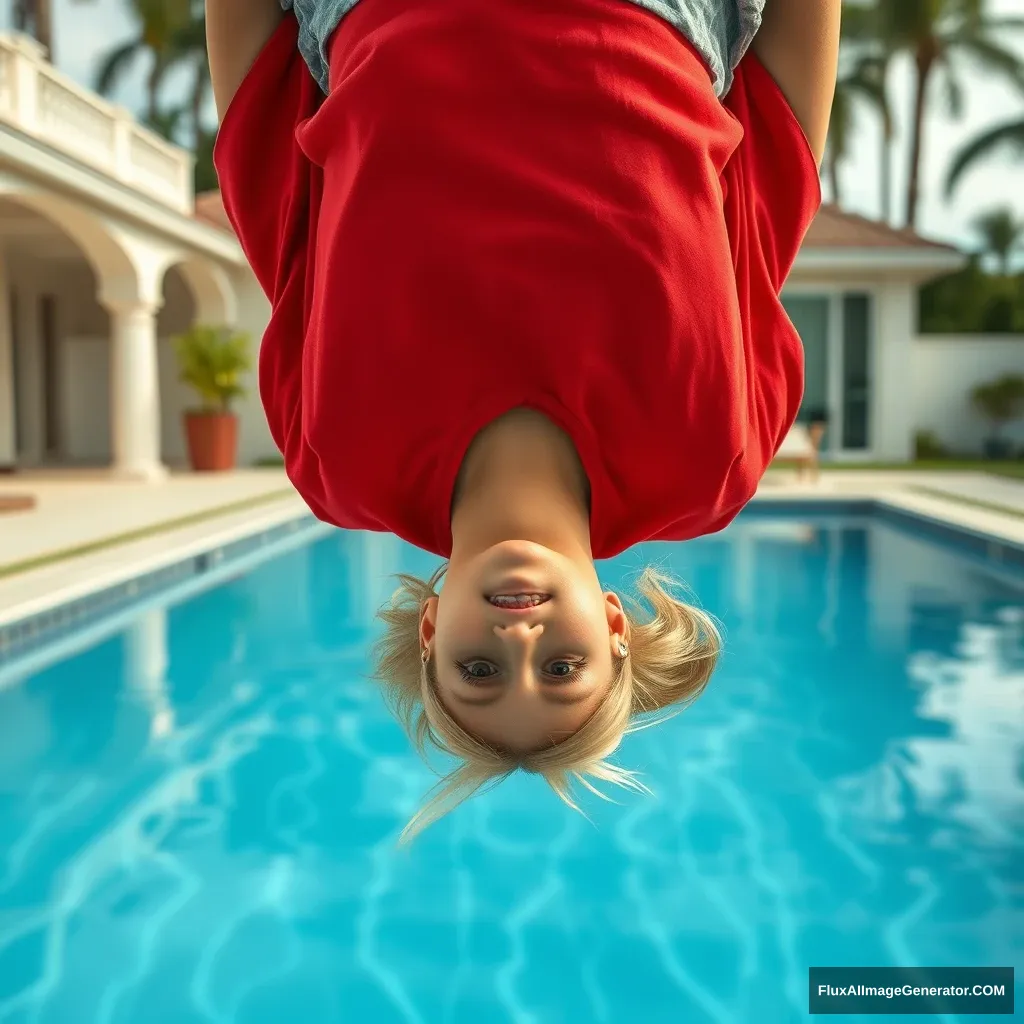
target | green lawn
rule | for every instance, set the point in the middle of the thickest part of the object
(997, 467)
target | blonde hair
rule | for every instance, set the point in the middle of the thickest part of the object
(673, 648)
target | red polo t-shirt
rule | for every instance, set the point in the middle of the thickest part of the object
(520, 204)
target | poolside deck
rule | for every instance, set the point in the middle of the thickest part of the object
(87, 530)
(75, 509)
(971, 500)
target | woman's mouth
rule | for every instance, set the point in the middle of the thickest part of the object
(516, 602)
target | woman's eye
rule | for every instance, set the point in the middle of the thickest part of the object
(564, 668)
(476, 670)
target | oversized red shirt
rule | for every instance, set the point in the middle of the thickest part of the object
(514, 204)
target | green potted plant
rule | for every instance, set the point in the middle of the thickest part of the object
(213, 361)
(1000, 402)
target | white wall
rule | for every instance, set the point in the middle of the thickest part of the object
(945, 370)
(892, 331)
(83, 359)
(892, 364)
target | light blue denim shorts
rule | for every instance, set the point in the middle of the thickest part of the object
(720, 30)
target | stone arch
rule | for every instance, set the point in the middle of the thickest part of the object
(126, 264)
(116, 273)
(216, 302)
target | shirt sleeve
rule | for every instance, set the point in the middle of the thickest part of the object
(265, 178)
(771, 193)
(271, 192)
(772, 182)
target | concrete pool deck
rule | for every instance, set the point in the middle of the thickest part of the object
(974, 501)
(88, 531)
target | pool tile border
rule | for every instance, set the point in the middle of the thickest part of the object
(21, 636)
(993, 549)
(976, 542)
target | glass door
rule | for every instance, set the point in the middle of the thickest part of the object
(836, 334)
(811, 316)
(856, 382)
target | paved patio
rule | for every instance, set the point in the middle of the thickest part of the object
(77, 509)
(89, 531)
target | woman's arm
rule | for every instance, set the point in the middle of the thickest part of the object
(236, 32)
(798, 44)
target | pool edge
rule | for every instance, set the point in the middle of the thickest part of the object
(61, 613)
(26, 627)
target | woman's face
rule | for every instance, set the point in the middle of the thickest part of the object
(524, 644)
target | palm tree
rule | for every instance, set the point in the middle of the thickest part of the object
(1001, 233)
(35, 17)
(866, 81)
(1008, 137)
(938, 35)
(864, 35)
(190, 48)
(160, 23)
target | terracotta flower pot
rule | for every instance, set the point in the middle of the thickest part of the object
(212, 440)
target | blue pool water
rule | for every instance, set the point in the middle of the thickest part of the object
(198, 813)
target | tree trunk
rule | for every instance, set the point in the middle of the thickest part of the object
(888, 133)
(198, 95)
(924, 63)
(35, 18)
(44, 25)
(20, 16)
(833, 178)
(885, 178)
(153, 90)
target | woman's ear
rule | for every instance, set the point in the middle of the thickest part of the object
(428, 621)
(618, 622)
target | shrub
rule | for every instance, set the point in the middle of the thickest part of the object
(928, 446)
(1000, 401)
(212, 361)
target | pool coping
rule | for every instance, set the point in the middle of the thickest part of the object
(997, 548)
(68, 609)
(162, 563)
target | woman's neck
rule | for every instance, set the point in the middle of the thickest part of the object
(521, 480)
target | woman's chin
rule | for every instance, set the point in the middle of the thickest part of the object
(519, 552)
(517, 556)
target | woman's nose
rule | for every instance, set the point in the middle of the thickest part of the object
(520, 632)
(519, 639)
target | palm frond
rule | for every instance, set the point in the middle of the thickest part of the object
(840, 125)
(116, 64)
(860, 22)
(1001, 24)
(953, 91)
(990, 56)
(1009, 136)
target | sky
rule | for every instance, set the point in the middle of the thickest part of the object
(86, 29)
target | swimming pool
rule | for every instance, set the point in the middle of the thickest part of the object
(198, 813)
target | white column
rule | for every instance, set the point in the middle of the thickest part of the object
(8, 455)
(146, 661)
(29, 385)
(135, 391)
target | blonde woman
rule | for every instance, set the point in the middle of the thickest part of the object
(524, 260)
